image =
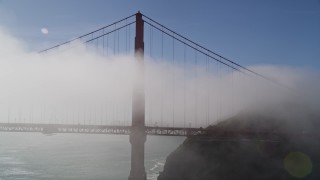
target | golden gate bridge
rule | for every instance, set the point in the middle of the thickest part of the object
(159, 110)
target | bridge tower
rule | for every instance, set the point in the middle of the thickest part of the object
(138, 135)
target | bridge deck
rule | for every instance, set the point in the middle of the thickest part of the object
(125, 130)
(94, 129)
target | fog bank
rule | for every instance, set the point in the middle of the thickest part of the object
(81, 85)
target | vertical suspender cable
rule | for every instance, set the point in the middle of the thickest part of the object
(107, 44)
(95, 114)
(232, 92)
(92, 38)
(44, 113)
(114, 40)
(78, 115)
(67, 113)
(148, 85)
(30, 119)
(90, 116)
(162, 81)
(84, 115)
(196, 88)
(73, 120)
(218, 92)
(9, 114)
(118, 32)
(103, 42)
(97, 40)
(184, 86)
(207, 91)
(129, 37)
(173, 85)
(20, 114)
(126, 37)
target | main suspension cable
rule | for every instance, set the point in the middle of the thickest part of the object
(79, 37)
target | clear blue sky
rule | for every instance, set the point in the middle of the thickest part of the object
(250, 32)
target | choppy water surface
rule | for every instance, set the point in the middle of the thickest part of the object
(33, 156)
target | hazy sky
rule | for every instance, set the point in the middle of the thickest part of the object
(250, 32)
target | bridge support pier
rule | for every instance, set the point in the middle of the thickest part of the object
(137, 140)
(138, 133)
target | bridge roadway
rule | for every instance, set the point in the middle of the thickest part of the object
(213, 132)
(95, 129)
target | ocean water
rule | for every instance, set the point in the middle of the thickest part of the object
(35, 156)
